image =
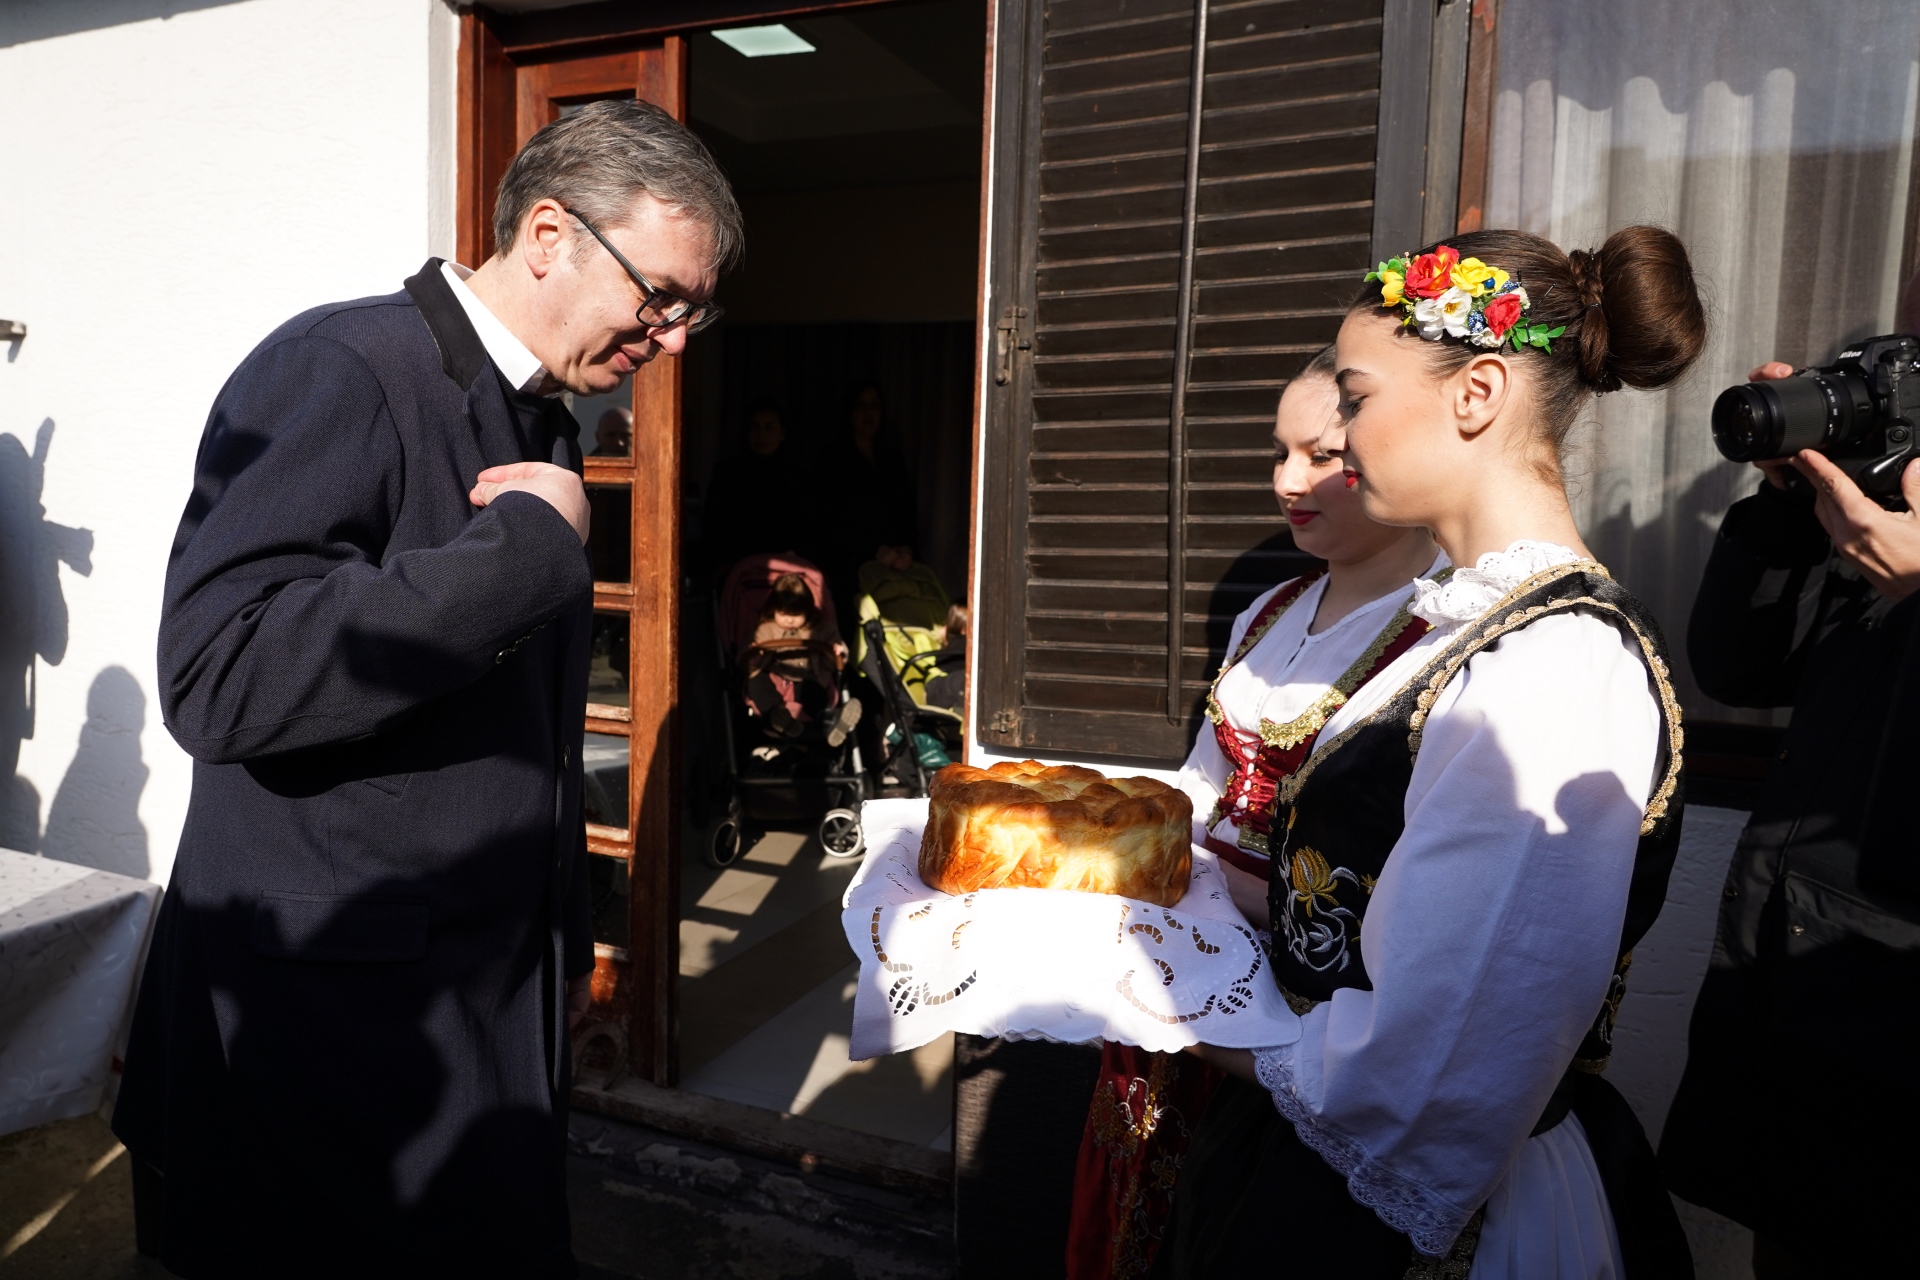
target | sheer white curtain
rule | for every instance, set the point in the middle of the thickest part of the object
(1777, 139)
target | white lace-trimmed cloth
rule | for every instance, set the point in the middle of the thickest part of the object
(1043, 964)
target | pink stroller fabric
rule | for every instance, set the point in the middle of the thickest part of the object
(745, 593)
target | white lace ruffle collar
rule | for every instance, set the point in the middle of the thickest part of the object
(1469, 592)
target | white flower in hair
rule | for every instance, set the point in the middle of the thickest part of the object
(1456, 309)
(1426, 314)
(1483, 334)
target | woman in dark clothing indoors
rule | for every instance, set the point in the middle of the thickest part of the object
(755, 499)
(869, 497)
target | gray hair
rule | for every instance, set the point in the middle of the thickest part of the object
(597, 159)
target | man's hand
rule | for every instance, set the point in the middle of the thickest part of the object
(579, 999)
(558, 487)
(1884, 545)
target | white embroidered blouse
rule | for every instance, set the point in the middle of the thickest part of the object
(1489, 940)
(1286, 673)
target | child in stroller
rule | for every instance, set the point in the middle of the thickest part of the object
(914, 655)
(793, 662)
(786, 718)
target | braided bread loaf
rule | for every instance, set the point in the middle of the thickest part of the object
(1036, 826)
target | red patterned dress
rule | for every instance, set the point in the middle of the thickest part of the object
(1145, 1105)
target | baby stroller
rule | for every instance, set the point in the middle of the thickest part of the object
(766, 776)
(903, 616)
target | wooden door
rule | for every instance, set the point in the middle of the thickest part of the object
(504, 102)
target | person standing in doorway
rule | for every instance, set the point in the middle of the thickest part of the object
(350, 1051)
(753, 502)
(874, 512)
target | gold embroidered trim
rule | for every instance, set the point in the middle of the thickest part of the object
(1446, 663)
(1445, 666)
(1303, 726)
(1217, 713)
(1656, 672)
(1609, 1014)
(1300, 1005)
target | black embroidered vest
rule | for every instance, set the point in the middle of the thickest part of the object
(1346, 807)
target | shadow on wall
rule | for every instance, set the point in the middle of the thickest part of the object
(95, 816)
(33, 617)
(26, 23)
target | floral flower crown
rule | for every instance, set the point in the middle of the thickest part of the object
(1447, 296)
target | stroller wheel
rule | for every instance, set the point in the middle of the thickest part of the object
(840, 834)
(724, 843)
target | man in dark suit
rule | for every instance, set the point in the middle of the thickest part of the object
(350, 1053)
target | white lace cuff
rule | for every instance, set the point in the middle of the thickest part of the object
(1423, 1216)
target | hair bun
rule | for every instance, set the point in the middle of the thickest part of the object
(1642, 323)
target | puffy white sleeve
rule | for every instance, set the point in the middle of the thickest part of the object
(1492, 933)
(1204, 776)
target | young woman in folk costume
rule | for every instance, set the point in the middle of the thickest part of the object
(1293, 657)
(1482, 832)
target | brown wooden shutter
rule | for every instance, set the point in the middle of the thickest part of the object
(1085, 456)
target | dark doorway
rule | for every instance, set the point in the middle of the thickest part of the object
(857, 164)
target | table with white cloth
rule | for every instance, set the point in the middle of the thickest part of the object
(71, 942)
(1048, 964)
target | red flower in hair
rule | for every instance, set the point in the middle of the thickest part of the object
(1431, 274)
(1503, 313)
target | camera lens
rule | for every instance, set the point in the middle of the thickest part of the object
(1760, 420)
(1741, 424)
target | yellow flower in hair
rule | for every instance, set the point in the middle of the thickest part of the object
(1474, 277)
(1393, 287)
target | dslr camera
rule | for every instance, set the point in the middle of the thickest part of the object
(1862, 411)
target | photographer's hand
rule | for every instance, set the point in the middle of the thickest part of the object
(1884, 545)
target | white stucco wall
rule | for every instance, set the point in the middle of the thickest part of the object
(171, 188)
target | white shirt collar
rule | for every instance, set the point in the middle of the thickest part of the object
(520, 367)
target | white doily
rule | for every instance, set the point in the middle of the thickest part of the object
(1047, 964)
(1469, 592)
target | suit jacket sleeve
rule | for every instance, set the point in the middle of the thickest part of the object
(285, 623)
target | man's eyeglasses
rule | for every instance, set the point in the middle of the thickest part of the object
(658, 308)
